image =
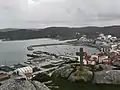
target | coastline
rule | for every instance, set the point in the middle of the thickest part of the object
(58, 64)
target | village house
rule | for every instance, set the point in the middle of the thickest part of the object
(92, 60)
(100, 58)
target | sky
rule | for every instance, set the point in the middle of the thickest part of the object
(70, 13)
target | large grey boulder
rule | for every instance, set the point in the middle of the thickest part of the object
(62, 72)
(73, 73)
(81, 75)
(107, 77)
(39, 86)
(13, 84)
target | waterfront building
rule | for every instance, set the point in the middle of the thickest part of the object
(3, 75)
(25, 71)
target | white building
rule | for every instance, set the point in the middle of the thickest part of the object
(91, 62)
(88, 62)
(101, 37)
(109, 36)
(24, 71)
(113, 47)
(103, 59)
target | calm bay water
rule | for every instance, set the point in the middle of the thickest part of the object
(12, 52)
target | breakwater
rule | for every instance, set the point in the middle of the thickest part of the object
(42, 45)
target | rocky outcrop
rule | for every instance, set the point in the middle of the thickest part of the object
(116, 63)
(107, 77)
(13, 84)
(99, 74)
(81, 75)
(39, 86)
(63, 72)
(102, 67)
(42, 77)
(73, 73)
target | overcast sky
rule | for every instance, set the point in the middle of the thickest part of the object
(42, 13)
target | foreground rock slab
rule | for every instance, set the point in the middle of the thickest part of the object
(107, 77)
(81, 75)
(63, 72)
(13, 84)
(102, 67)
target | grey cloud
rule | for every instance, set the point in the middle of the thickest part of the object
(17, 13)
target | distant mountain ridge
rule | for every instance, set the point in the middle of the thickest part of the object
(57, 32)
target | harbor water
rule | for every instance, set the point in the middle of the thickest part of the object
(13, 52)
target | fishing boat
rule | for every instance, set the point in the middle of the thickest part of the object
(33, 55)
(30, 48)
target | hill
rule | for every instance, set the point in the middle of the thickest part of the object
(58, 32)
